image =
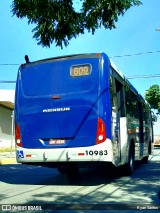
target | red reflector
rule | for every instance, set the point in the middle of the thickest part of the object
(101, 131)
(80, 154)
(28, 156)
(55, 97)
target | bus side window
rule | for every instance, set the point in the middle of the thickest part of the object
(117, 96)
(148, 116)
(112, 92)
(114, 110)
(134, 106)
(120, 98)
(127, 99)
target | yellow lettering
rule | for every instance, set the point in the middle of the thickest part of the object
(75, 72)
(80, 71)
(86, 71)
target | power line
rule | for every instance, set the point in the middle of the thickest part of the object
(143, 76)
(135, 54)
(7, 82)
(9, 64)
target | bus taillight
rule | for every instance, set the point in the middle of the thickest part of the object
(101, 132)
(18, 136)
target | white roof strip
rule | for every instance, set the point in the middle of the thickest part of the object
(116, 69)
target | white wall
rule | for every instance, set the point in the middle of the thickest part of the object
(6, 120)
(6, 127)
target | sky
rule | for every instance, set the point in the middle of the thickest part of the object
(135, 33)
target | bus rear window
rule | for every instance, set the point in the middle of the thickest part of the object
(57, 78)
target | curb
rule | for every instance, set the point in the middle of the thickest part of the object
(8, 161)
(7, 158)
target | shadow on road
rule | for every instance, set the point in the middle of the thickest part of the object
(38, 175)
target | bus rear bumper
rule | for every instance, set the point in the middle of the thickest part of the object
(98, 153)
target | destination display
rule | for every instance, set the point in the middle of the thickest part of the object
(80, 70)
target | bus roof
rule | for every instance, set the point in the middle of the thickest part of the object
(116, 69)
(85, 55)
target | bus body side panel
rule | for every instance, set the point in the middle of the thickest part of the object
(105, 110)
(104, 105)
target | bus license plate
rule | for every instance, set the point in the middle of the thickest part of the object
(56, 141)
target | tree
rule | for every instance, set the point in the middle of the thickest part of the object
(153, 97)
(58, 21)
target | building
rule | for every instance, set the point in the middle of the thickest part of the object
(6, 118)
(157, 140)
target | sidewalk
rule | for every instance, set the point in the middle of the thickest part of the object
(7, 158)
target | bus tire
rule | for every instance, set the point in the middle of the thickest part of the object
(129, 167)
(145, 160)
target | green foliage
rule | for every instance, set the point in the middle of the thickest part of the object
(153, 97)
(57, 20)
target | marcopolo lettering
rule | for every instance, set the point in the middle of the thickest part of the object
(57, 109)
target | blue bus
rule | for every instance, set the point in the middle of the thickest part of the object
(79, 110)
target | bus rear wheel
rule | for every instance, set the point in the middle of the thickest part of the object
(129, 167)
(145, 160)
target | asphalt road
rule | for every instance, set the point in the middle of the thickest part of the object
(96, 189)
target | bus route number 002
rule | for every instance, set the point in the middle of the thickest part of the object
(80, 70)
(97, 152)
